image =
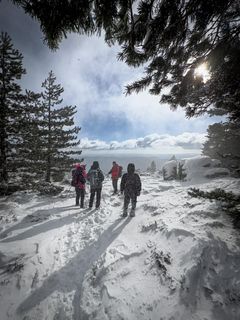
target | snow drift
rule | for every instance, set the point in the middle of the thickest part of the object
(177, 259)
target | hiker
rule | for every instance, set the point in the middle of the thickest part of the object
(78, 181)
(95, 177)
(116, 173)
(131, 187)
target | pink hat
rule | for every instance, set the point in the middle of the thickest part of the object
(77, 165)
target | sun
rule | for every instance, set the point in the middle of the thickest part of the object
(202, 72)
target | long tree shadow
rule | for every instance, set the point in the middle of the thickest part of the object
(46, 200)
(40, 228)
(71, 276)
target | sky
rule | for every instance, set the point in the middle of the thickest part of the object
(94, 80)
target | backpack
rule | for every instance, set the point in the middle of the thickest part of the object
(94, 178)
(77, 177)
(120, 171)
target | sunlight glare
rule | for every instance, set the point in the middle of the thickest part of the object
(203, 72)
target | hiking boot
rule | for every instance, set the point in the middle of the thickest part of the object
(124, 215)
(132, 213)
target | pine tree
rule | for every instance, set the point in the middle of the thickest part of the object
(181, 174)
(170, 37)
(11, 99)
(58, 133)
(153, 167)
(223, 144)
(30, 162)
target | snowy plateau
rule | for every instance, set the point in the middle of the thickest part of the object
(177, 259)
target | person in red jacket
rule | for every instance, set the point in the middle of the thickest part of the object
(115, 175)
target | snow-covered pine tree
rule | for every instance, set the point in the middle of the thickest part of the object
(223, 144)
(153, 167)
(58, 133)
(229, 201)
(181, 174)
(164, 173)
(11, 98)
(30, 162)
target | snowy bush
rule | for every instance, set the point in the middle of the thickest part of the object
(47, 188)
(216, 173)
(181, 174)
(199, 167)
(203, 167)
(169, 170)
(152, 169)
(7, 189)
(229, 201)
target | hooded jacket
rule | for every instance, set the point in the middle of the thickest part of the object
(131, 182)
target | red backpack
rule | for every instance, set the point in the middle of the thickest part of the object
(120, 171)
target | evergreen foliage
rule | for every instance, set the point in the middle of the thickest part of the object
(229, 201)
(181, 174)
(11, 100)
(164, 173)
(223, 144)
(58, 133)
(29, 160)
(170, 37)
(153, 167)
(36, 134)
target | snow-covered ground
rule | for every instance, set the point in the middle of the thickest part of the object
(178, 259)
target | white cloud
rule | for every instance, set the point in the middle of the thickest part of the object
(93, 144)
(183, 143)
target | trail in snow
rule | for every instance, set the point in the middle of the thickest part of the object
(177, 259)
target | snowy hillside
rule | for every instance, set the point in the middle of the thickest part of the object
(177, 259)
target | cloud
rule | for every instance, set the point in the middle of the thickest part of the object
(185, 142)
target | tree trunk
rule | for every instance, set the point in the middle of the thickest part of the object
(3, 155)
(48, 172)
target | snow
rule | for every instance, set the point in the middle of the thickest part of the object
(177, 259)
(170, 169)
(200, 167)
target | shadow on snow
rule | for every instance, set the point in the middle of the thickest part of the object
(43, 226)
(71, 276)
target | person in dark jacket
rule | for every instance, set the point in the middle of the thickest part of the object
(115, 175)
(131, 187)
(95, 177)
(79, 177)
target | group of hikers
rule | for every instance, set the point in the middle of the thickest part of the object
(130, 184)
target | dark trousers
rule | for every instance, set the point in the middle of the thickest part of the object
(127, 198)
(80, 193)
(114, 183)
(94, 191)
